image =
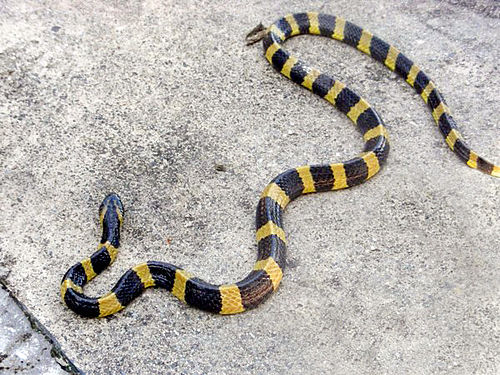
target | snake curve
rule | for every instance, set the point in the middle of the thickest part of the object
(266, 275)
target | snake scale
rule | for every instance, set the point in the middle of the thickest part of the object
(266, 275)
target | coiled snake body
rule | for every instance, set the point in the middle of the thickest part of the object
(266, 275)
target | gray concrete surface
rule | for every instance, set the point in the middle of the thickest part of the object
(146, 98)
(26, 347)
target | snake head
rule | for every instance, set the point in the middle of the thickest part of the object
(111, 209)
(111, 218)
(258, 32)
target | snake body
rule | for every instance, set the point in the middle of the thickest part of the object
(266, 275)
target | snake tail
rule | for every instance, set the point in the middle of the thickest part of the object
(267, 272)
(334, 91)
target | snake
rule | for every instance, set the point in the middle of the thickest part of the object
(266, 275)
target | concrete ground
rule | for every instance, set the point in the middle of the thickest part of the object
(26, 347)
(149, 99)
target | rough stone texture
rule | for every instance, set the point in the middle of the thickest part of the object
(150, 99)
(23, 348)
